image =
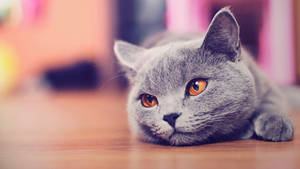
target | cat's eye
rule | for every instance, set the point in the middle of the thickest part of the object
(148, 100)
(196, 87)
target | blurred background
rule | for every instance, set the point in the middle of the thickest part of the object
(67, 44)
(62, 92)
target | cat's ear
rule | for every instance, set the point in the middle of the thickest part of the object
(126, 53)
(223, 35)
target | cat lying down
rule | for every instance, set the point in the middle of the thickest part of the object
(195, 90)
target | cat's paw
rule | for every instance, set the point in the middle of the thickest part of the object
(274, 127)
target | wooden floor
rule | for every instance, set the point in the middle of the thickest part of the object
(40, 130)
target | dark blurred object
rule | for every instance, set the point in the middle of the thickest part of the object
(136, 20)
(79, 76)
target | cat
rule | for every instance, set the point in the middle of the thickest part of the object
(191, 90)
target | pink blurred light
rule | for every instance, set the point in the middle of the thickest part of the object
(187, 16)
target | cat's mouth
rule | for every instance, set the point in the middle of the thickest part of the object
(173, 134)
(177, 138)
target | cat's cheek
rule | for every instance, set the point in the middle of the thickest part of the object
(137, 133)
(187, 124)
(163, 130)
(142, 115)
(155, 133)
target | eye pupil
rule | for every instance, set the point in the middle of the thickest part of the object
(196, 86)
(149, 98)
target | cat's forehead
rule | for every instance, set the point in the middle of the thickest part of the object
(170, 68)
(170, 55)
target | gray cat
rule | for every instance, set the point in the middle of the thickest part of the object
(189, 90)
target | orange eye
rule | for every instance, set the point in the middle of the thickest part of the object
(196, 87)
(148, 100)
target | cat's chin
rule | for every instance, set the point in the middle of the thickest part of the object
(182, 139)
(169, 136)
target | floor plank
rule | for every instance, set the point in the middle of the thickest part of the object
(88, 130)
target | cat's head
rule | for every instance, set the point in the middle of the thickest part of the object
(189, 92)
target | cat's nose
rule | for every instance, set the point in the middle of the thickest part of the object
(171, 118)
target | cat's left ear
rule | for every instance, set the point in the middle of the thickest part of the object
(127, 53)
(223, 35)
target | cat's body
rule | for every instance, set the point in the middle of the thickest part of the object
(237, 102)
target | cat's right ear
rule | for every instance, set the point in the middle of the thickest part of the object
(127, 55)
(223, 35)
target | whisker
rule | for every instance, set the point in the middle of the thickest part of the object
(107, 82)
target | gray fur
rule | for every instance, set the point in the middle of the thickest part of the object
(238, 102)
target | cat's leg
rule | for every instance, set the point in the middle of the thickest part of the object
(271, 122)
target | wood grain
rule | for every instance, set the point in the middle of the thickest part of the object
(41, 130)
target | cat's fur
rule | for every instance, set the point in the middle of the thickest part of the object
(238, 102)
